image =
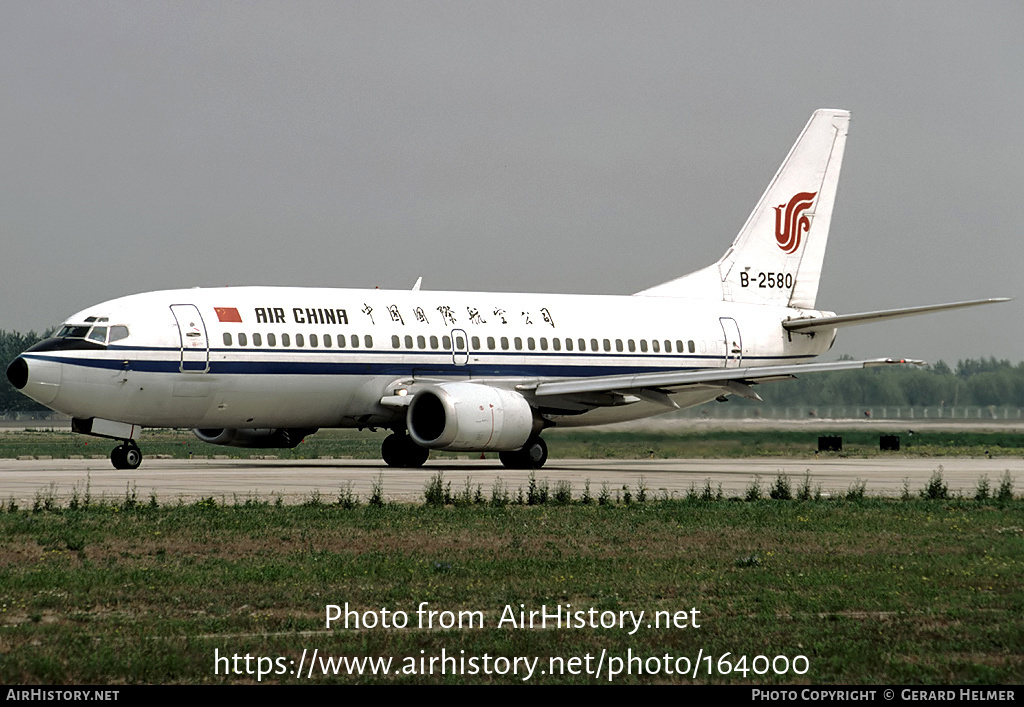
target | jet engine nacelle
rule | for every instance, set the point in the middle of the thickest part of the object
(284, 438)
(469, 417)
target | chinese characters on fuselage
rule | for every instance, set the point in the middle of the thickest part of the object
(339, 316)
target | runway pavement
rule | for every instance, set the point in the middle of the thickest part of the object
(228, 480)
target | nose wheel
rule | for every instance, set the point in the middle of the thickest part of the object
(126, 456)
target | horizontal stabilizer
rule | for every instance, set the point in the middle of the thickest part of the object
(810, 324)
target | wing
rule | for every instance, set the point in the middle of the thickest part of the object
(582, 393)
(656, 387)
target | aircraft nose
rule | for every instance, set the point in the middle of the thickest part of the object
(17, 373)
(39, 380)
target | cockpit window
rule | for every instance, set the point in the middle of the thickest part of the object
(73, 332)
(96, 333)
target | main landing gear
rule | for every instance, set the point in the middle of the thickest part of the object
(399, 450)
(532, 456)
(126, 455)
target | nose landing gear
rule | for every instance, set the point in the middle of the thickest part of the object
(127, 455)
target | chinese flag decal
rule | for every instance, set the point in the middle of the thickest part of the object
(228, 314)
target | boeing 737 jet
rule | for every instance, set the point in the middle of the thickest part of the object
(465, 371)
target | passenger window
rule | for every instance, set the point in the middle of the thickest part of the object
(643, 345)
(243, 340)
(271, 339)
(693, 348)
(286, 340)
(519, 343)
(679, 346)
(504, 343)
(593, 345)
(668, 346)
(395, 342)
(490, 343)
(227, 339)
(421, 342)
(476, 343)
(368, 340)
(257, 340)
(117, 333)
(655, 345)
(300, 340)
(530, 344)
(447, 341)
(314, 340)
(327, 341)
(433, 343)
(632, 346)
(408, 341)
(607, 345)
(460, 343)
(568, 344)
(341, 341)
(618, 345)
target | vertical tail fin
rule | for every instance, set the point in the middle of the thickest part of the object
(778, 254)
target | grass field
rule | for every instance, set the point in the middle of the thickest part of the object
(868, 591)
(858, 590)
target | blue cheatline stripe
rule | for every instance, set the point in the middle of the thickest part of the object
(662, 358)
(442, 366)
(442, 354)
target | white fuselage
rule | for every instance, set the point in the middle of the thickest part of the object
(257, 357)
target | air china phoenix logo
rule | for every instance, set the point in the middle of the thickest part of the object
(791, 224)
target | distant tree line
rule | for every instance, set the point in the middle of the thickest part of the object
(978, 382)
(974, 382)
(11, 344)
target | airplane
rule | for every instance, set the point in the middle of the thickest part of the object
(265, 367)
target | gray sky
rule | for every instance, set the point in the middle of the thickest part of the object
(586, 147)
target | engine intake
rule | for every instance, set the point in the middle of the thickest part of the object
(284, 438)
(469, 417)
